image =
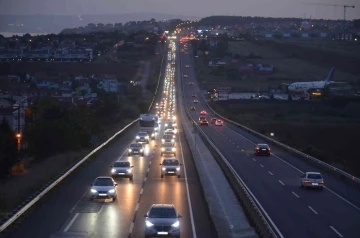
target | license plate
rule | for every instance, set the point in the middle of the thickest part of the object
(135, 152)
(163, 233)
(121, 173)
(171, 172)
(263, 149)
(315, 184)
(102, 194)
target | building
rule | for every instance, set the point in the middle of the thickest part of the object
(109, 85)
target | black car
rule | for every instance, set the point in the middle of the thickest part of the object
(262, 149)
(162, 221)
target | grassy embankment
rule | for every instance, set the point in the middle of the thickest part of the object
(19, 188)
(288, 67)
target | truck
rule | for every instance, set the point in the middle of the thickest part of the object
(149, 123)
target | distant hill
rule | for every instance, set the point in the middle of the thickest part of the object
(56, 23)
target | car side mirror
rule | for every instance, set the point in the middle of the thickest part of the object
(181, 164)
(145, 215)
(160, 164)
(116, 184)
(132, 166)
(179, 216)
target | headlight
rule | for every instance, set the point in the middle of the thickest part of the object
(178, 168)
(163, 169)
(137, 137)
(93, 191)
(176, 224)
(173, 149)
(163, 140)
(130, 150)
(128, 170)
(172, 140)
(141, 150)
(149, 224)
(146, 137)
(112, 191)
(113, 170)
(166, 124)
(174, 117)
(162, 149)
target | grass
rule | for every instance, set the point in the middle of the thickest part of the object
(287, 69)
(318, 129)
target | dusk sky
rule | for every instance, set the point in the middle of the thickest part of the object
(200, 8)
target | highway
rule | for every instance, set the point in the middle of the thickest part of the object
(68, 212)
(275, 180)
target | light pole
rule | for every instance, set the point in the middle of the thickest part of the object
(18, 137)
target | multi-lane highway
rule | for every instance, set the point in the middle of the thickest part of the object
(69, 212)
(275, 180)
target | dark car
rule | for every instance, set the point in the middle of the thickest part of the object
(193, 108)
(162, 220)
(262, 149)
(136, 149)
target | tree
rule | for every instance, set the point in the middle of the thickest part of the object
(8, 149)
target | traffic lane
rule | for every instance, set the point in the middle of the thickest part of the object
(59, 201)
(103, 218)
(287, 211)
(341, 189)
(157, 190)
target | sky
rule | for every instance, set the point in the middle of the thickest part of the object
(200, 8)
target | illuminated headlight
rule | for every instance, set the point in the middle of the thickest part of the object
(146, 137)
(128, 170)
(172, 140)
(130, 150)
(93, 191)
(174, 136)
(166, 124)
(163, 169)
(141, 150)
(176, 224)
(174, 117)
(113, 170)
(153, 134)
(163, 140)
(137, 137)
(178, 168)
(149, 224)
(112, 191)
(162, 149)
(173, 149)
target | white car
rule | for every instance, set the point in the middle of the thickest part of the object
(170, 166)
(312, 180)
(196, 101)
(103, 187)
(219, 122)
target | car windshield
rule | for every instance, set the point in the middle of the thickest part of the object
(135, 146)
(103, 182)
(158, 212)
(170, 128)
(168, 145)
(169, 133)
(142, 134)
(314, 176)
(171, 162)
(122, 164)
(167, 137)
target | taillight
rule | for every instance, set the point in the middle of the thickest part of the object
(269, 149)
(307, 181)
(257, 148)
(322, 181)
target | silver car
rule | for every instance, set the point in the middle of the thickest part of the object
(142, 137)
(122, 169)
(168, 139)
(170, 166)
(162, 220)
(103, 187)
(168, 149)
(312, 180)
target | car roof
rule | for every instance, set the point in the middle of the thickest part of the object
(170, 158)
(313, 173)
(262, 144)
(163, 206)
(104, 177)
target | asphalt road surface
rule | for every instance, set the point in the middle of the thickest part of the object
(68, 211)
(275, 180)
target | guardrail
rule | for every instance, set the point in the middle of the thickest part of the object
(243, 193)
(286, 147)
(16, 213)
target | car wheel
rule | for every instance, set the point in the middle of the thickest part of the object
(131, 178)
(179, 176)
(161, 154)
(114, 199)
(301, 185)
(129, 154)
(142, 154)
(162, 176)
(174, 154)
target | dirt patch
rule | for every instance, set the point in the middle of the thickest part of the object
(316, 129)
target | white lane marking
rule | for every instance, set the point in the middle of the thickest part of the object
(312, 209)
(281, 182)
(137, 206)
(131, 227)
(254, 159)
(247, 154)
(237, 146)
(71, 222)
(295, 194)
(354, 206)
(147, 169)
(230, 140)
(150, 162)
(233, 143)
(141, 191)
(73, 208)
(338, 233)
(262, 165)
(241, 149)
(270, 173)
(145, 179)
(299, 170)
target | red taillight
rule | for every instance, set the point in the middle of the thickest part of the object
(269, 149)
(257, 148)
(307, 181)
